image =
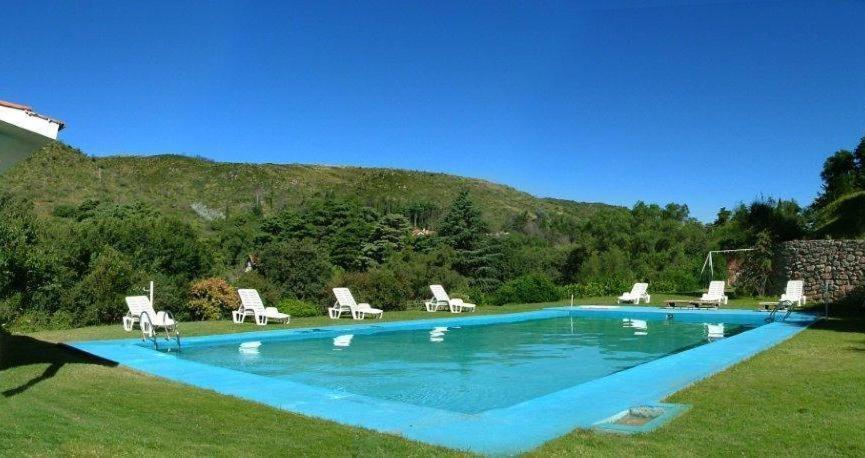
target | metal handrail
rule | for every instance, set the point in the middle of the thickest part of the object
(781, 304)
(148, 330)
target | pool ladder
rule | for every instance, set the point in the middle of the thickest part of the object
(149, 332)
(775, 308)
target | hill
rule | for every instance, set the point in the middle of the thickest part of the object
(197, 189)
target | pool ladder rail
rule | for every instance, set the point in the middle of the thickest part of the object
(149, 330)
(779, 306)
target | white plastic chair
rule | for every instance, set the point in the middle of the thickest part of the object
(715, 293)
(795, 292)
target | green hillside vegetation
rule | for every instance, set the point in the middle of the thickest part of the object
(60, 176)
(77, 234)
(844, 217)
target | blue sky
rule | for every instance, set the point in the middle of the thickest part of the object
(702, 103)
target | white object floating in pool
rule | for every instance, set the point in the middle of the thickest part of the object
(714, 331)
(343, 340)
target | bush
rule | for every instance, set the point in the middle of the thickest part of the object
(299, 308)
(300, 268)
(667, 286)
(471, 295)
(98, 297)
(527, 289)
(595, 288)
(212, 298)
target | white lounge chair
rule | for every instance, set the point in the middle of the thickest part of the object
(638, 292)
(141, 312)
(345, 303)
(441, 301)
(251, 305)
(795, 292)
(715, 294)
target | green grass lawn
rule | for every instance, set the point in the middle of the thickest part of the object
(804, 397)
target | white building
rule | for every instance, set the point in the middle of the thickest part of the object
(23, 131)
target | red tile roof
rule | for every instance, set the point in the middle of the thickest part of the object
(15, 105)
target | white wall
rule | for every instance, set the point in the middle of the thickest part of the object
(22, 119)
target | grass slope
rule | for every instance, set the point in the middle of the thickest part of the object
(58, 174)
(804, 397)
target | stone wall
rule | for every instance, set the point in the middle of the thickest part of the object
(837, 265)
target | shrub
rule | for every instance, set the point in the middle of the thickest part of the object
(98, 298)
(527, 289)
(299, 308)
(471, 295)
(300, 268)
(595, 288)
(666, 286)
(212, 298)
(65, 211)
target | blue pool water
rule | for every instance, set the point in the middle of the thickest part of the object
(468, 368)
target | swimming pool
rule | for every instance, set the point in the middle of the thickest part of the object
(495, 384)
(468, 368)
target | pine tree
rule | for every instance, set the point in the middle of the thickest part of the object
(462, 227)
(478, 256)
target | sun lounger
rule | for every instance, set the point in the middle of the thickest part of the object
(637, 293)
(141, 312)
(345, 303)
(441, 301)
(251, 305)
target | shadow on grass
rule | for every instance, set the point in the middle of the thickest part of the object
(17, 351)
(843, 318)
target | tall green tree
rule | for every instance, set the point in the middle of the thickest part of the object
(388, 237)
(842, 174)
(462, 227)
(478, 256)
(299, 267)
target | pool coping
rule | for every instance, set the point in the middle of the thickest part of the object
(510, 430)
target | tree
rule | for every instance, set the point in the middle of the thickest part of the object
(842, 173)
(18, 233)
(757, 267)
(859, 160)
(462, 227)
(388, 237)
(574, 263)
(98, 298)
(723, 217)
(299, 267)
(477, 256)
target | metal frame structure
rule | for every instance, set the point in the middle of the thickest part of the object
(708, 261)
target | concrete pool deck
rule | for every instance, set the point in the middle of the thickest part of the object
(509, 430)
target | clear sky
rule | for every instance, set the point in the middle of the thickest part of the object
(703, 103)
